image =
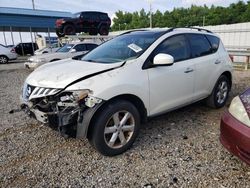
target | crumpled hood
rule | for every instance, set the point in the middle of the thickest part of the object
(245, 98)
(59, 74)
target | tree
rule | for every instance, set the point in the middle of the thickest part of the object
(181, 17)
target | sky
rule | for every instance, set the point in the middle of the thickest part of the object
(109, 6)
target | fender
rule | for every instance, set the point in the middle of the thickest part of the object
(84, 120)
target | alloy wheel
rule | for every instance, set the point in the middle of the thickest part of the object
(119, 129)
(222, 92)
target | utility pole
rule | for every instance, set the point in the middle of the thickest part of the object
(33, 4)
(150, 12)
(204, 18)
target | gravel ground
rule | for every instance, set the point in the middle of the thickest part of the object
(178, 149)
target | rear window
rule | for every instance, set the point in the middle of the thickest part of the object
(200, 46)
(103, 16)
(214, 41)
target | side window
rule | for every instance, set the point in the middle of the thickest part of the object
(103, 16)
(176, 46)
(94, 16)
(199, 45)
(85, 16)
(214, 41)
(80, 47)
(91, 46)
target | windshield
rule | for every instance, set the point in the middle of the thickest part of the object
(122, 48)
(65, 48)
(77, 15)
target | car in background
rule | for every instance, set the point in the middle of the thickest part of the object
(53, 48)
(91, 22)
(7, 54)
(235, 127)
(67, 51)
(111, 92)
(26, 48)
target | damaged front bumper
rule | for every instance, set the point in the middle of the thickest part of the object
(70, 118)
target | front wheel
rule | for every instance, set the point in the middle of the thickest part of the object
(60, 34)
(69, 30)
(115, 128)
(3, 59)
(219, 95)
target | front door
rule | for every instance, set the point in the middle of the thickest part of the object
(171, 86)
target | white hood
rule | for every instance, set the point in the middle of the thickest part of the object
(61, 73)
(50, 56)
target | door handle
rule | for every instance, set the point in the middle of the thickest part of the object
(188, 70)
(217, 62)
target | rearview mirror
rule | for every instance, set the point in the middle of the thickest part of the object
(73, 50)
(162, 59)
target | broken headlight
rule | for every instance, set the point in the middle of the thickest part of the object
(74, 96)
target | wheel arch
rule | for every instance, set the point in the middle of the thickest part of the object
(3, 55)
(136, 101)
(229, 77)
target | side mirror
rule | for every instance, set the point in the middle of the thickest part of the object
(73, 50)
(163, 59)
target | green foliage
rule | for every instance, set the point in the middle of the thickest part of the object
(181, 17)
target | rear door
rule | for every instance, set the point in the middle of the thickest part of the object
(80, 49)
(206, 62)
(171, 86)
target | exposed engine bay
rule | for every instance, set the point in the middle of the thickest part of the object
(61, 110)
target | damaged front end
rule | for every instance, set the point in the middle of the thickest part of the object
(61, 109)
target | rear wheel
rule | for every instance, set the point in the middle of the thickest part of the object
(3, 59)
(69, 30)
(104, 30)
(219, 96)
(115, 128)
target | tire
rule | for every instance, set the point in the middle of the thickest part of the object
(119, 136)
(60, 34)
(4, 59)
(69, 30)
(219, 95)
(93, 32)
(103, 30)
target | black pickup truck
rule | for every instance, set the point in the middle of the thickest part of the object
(91, 22)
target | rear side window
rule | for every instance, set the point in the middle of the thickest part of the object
(80, 47)
(103, 16)
(176, 46)
(199, 45)
(91, 46)
(214, 41)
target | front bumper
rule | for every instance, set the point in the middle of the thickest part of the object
(235, 137)
(31, 65)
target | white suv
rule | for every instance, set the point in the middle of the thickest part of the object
(112, 90)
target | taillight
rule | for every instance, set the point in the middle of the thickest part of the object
(59, 22)
(13, 50)
(231, 57)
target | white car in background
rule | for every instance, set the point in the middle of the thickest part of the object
(51, 49)
(108, 94)
(67, 51)
(7, 54)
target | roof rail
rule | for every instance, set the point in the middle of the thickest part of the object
(134, 30)
(197, 28)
